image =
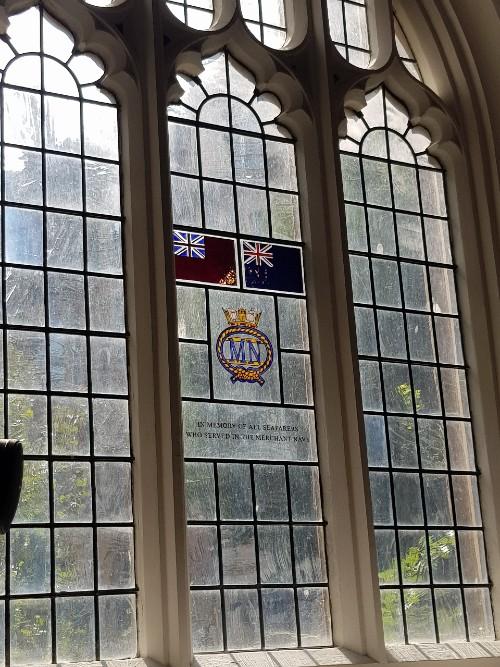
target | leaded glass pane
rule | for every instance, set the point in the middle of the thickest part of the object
(68, 591)
(197, 14)
(255, 521)
(424, 480)
(348, 22)
(266, 20)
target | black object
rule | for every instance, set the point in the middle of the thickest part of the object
(11, 481)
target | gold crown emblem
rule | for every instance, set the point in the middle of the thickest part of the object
(235, 316)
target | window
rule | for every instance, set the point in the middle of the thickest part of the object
(349, 30)
(67, 566)
(259, 397)
(197, 14)
(423, 475)
(266, 20)
(405, 51)
(255, 534)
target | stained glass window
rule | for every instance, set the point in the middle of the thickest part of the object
(67, 565)
(255, 524)
(198, 14)
(266, 20)
(419, 438)
(405, 51)
(349, 30)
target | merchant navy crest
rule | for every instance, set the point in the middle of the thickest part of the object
(245, 352)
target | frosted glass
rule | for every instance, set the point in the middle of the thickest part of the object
(281, 165)
(309, 554)
(74, 559)
(118, 629)
(28, 422)
(195, 379)
(270, 493)
(206, 621)
(238, 555)
(24, 295)
(218, 200)
(191, 313)
(297, 379)
(106, 304)
(103, 188)
(113, 492)
(23, 236)
(104, 246)
(29, 561)
(200, 492)
(22, 114)
(26, 360)
(183, 156)
(115, 548)
(30, 633)
(242, 614)
(419, 617)
(305, 493)
(294, 330)
(75, 624)
(285, 216)
(186, 202)
(65, 241)
(66, 300)
(408, 499)
(315, 621)
(109, 365)
(72, 492)
(111, 427)
(23, 176)
(34, 502)
(100, 125)
(275, 555)
(249, 160)
(278, 608)
(203, 555)
(68, 362)
(70, 425)
(253, 214)
(62, 124)
(235, 494)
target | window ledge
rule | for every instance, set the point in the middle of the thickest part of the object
(451, 651)
(478, 652)
(306, 657)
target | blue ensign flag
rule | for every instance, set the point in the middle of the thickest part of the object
(272, 267)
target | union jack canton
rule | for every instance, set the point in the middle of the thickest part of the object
(188, 244)
(257, 253)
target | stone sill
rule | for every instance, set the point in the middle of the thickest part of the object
(476, 653)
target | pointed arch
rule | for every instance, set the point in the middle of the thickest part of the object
(65, 389)
(413, 379)
(238, 255)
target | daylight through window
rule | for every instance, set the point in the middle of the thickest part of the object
(67, 566)
(349, 30)
(256, 538)
(424, 480)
